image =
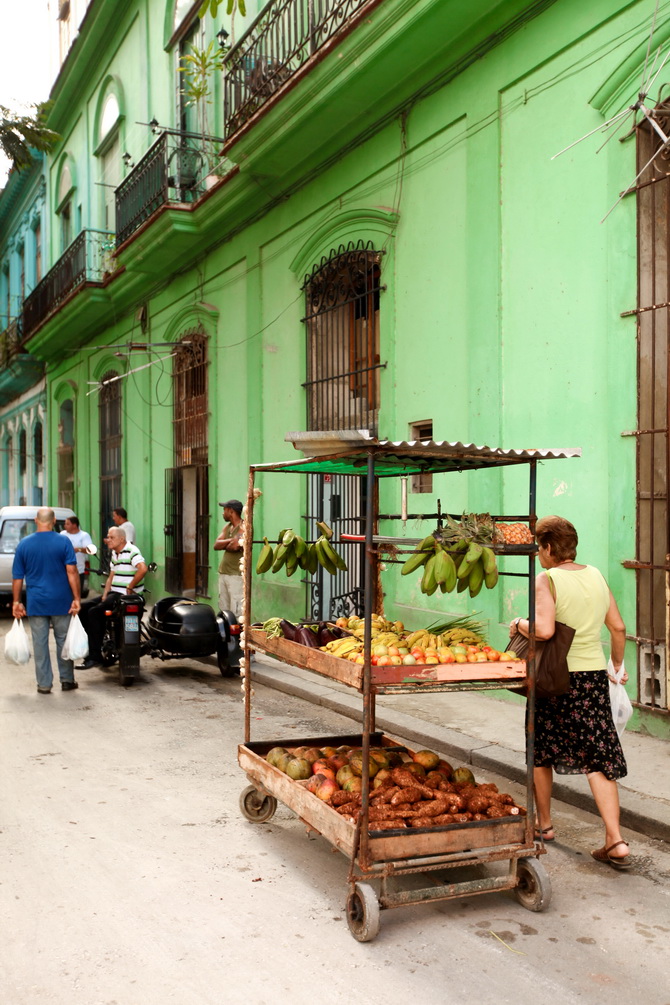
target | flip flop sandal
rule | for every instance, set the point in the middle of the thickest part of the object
(542, 835)
(603, 855)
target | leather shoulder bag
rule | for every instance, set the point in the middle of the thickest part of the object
(552, 677)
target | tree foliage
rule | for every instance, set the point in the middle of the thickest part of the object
(21, 133)
(231, 5)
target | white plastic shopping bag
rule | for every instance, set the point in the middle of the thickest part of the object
(621, 706)
(16, 643)
(75, 646)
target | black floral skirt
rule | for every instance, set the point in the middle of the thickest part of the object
(575, 732)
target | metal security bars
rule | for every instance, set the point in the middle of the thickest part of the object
(282, 38)
(342, 321)
(187, 484)
(173, 170)
(85, 261)
(652, 563)
(340, 500)
(110, 455)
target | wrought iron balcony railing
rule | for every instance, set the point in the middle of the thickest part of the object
(85, 261)
(282, 38)
(174, 170)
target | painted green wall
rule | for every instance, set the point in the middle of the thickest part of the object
(500, 318)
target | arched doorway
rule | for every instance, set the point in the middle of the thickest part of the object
(187, 483)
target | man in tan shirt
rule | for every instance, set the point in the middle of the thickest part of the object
(230, 542)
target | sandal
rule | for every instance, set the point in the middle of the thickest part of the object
(616, 861)
(543, 835)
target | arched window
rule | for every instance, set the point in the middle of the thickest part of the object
(65, 454)
(181, 9)
(342, 320)
(110, 449)
(187, 543)
(65, 206)
(190, 400)
(109, 152)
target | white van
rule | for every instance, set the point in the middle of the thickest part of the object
(16, 522)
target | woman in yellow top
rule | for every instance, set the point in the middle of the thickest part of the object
(575, 732)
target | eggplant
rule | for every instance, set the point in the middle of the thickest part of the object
(289, 630)
(306, 637)
(339, 633)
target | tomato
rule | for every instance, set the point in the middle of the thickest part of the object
(492, 655)
(432, 659)
(447, 658)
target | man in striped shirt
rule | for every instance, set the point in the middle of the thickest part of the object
(127, 569)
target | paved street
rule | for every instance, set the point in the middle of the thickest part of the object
(129, 876)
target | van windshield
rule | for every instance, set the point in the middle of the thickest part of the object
(12, 531)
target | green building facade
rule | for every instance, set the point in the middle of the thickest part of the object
(363, 228)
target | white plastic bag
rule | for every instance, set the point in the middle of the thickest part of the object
(621, 706)
(16, 644)
(75, 646)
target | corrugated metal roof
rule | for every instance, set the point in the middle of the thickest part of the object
(393, 457)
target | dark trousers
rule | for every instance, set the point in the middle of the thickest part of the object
(93, 617)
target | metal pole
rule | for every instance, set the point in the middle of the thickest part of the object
(248, 559)
(530, 708)
(367, 653)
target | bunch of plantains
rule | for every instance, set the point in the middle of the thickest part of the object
(293, 552)
(459, 556)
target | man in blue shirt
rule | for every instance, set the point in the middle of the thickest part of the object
(48, 564)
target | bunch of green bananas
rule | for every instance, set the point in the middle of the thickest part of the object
(293, 552)
(462, 566)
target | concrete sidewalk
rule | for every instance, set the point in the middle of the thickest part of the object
(460, 725)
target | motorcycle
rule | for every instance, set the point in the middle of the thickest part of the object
(177, 628)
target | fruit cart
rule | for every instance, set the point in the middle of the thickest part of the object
(383, 856)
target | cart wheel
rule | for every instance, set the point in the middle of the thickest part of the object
(363, 913)
(533, 889)
(256, 807)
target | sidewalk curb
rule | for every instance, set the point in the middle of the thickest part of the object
(639, 813)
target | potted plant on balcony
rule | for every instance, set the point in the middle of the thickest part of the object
(198, 67)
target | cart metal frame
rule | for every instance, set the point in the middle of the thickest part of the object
(384, 855)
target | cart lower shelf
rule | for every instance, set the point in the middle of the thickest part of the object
(396, 853)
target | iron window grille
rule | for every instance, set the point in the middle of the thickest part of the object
(110, 454)
(190, 426)
(652, 562)
(342, 323)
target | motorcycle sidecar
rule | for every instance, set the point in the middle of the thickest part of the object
(179, 626)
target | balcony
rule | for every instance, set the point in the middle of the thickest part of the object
(85, 261)
(177, 169)
(284, 36)
(18, 370)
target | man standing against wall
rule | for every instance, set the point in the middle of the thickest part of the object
(120, 518)
(48, 564)
(82, 544)
(230, 543)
